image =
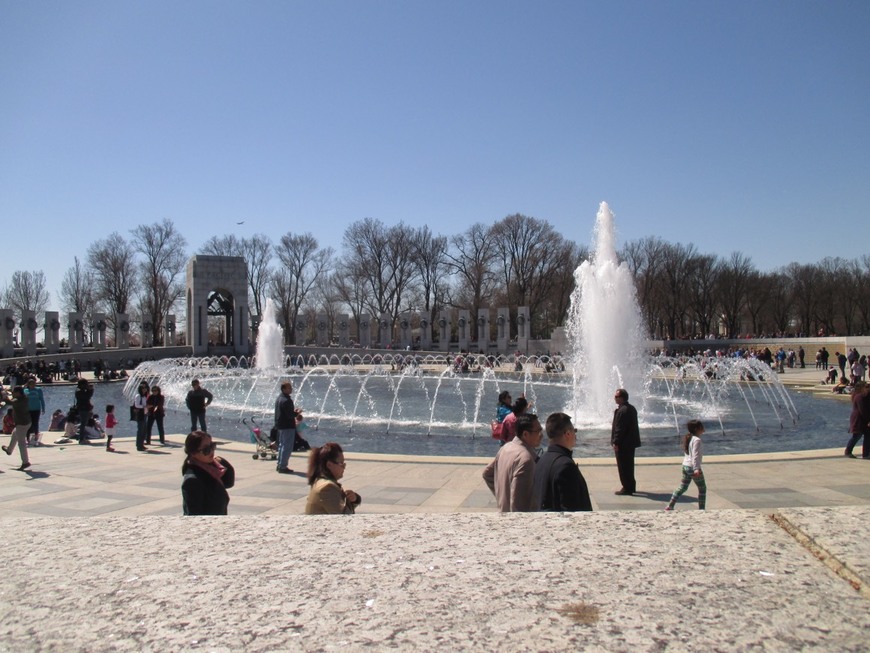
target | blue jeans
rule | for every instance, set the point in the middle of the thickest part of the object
(286, 440)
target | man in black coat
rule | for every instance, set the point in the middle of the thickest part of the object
(625, 438)
(558, 482)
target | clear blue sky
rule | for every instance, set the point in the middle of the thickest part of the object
(731, 125)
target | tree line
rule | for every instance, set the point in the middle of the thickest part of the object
(518, 261)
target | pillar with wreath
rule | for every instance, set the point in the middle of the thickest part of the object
(122, 330)
(405, 330)
(75, 331)
(444, 329)
(169, 330)
(365, 330)
(29, 325)
(343, 330)
(99, 328)
(463, 328)
(52, 332)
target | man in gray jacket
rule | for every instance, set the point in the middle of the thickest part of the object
(511, 474)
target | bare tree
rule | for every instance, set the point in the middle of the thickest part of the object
(644, 259)
(702, 292)
(350, 290)
(429, 255)
(676, 271)
(806, 280)
(257, 252)
(112, 260)
(524, 249)
(26, 291)
(864, 298)
(735, 277)
(77, 289)
(381, 258)
(777, 306)
(303, 264)
(228, 245)
(164, 256)
(471, 259)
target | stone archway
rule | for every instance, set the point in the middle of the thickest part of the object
(217, 290)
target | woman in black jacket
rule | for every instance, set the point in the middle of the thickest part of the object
(206, 477)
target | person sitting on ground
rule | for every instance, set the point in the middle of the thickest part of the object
(841, 387)
(70, 431)
(326, 467)
(206, 477)
(58, 421)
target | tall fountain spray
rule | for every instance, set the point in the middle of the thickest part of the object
(604, 327)
(270, 340)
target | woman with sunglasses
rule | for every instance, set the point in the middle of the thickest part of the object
(325, 468)
(206, 477)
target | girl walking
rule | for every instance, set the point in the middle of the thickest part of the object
(692, 465)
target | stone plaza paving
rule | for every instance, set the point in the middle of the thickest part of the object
(99, 558)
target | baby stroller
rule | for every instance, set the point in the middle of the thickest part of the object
(264, 445)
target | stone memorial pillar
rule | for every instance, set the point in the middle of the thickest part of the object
(463, 327)
(147, 336)
(76, 332)
(52, 332)
(523, 325)
(122, 330)
(28, 332)
(444, 325)
(169, 331)
(99, 331)
(7, 329)
(502, 329)
(386, 331)
(300, 330)
(425, 332)
(343, 330)
(365, 331)
(255, 330)
(217, 292)
(483, 330)
(405, 330)
(322, 324)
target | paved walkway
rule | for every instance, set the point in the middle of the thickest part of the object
(75, 480)
(99, 558)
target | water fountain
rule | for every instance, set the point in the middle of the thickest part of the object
(433, 403)
(270, 340)
(604, 325)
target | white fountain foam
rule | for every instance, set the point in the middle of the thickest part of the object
(270, 340)
(604, 325)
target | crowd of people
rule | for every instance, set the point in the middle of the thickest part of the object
(522, 476)
(525, 479)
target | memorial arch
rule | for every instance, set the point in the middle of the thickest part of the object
(217, 295)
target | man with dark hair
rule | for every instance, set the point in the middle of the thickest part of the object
(511, 474)
(285, 424)
(625, 438)
(559, 485)
(198, 399)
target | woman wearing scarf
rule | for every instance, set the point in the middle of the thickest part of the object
(325, 468)
(206, 477)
